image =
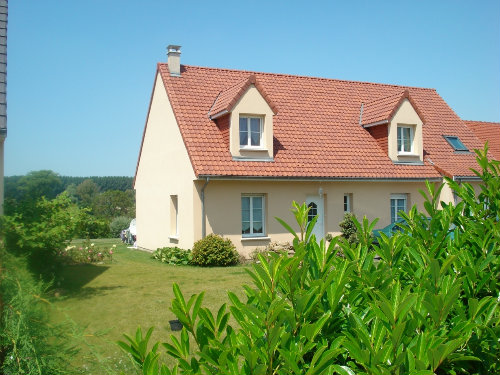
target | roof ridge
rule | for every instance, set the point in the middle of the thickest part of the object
(484, 122)
(307, 77)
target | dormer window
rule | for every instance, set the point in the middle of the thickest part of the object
(250, 131)
(405, 139)
(455, 142)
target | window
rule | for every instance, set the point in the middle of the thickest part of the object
(405, 139)
(456, 143)
(252, 215)
(174, 213)
(313, 211)
(250, 131)
(398, 203)
(347, 203)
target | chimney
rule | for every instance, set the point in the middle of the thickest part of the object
(174, 60)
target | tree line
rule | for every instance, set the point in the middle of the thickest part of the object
(108, 202)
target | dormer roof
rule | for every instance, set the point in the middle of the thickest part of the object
(381, 111)
(227, 98)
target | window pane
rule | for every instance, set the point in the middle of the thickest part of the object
(243, 131)
(407, 139)
(257, 202)
(255, 139)
(257, 214)
(245, 215)
(257, 227)
(245, 203)
(399, 139)
(255, 125)
(243, 124)
(245, 227)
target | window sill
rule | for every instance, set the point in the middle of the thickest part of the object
(407, 154)
(253, 149)
(173, 238)
(263, 238)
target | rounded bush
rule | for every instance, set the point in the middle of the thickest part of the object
(118, 224)
(213, 250)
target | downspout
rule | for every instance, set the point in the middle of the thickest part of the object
(203, 224)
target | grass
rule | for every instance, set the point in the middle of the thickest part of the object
(113, 298)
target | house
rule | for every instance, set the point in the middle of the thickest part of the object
(487, 132)
(226, 151)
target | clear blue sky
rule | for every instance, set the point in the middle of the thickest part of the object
(80, 73)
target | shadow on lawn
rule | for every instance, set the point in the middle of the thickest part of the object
(75, 277)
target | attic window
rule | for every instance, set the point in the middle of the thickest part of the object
(250, 131)
(455, 143)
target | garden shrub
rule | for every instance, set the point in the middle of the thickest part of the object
(214, 250)
(90, 226)
(173, 255)
(428, 306)
(29, 342)
(118, 224)
(348, 228)
(39, 229)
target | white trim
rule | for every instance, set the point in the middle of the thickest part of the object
(251, 220)
(412, 138)
(249, 146)
(376, 123)
(265, 238)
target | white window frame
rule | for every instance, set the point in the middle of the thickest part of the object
(252, 234)
(398, 197)
(347, 203)
(249, 132)
(412, 138)
(174, 217)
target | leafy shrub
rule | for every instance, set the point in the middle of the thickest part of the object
(29, 342)
(118, 224)
(348, 228)
(91, 227)
(173, 255)
(429, 306)
(87, 253)
(39, 229)
(214, 250)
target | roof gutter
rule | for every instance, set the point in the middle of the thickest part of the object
(375, 123)
(461, 179)
(203, 221)
(326, 179)
(219, 114)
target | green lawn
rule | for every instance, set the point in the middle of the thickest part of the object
(110, 299)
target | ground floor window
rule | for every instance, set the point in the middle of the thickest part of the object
(252, 215)
(347, 203)
(398, 203)
(174, 214)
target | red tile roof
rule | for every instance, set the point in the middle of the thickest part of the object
(383, 109)
(316, 131)
(487, 132)
(228, 98)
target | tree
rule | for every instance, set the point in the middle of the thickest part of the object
(114, 203)
(87, 191)
(44, 183)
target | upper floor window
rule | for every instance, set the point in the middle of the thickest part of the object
(405, 139)
(250, 131)
(456, 143)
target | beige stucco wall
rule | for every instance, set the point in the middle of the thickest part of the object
(223, 205)
(405, 115)
(164, 170)
(252, 103)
